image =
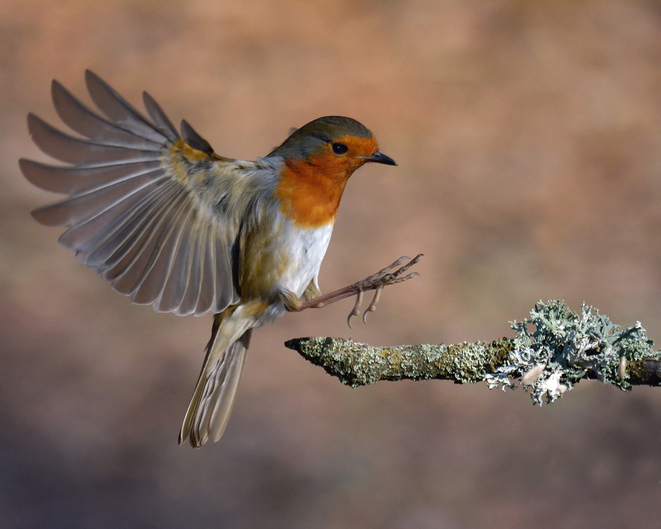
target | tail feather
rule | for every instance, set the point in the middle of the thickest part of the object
(213, 399)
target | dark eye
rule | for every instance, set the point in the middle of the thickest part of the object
(340, 148)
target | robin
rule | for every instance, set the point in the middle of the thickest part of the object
(168, 222)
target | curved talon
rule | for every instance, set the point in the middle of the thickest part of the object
(356, 308)
(372, 306)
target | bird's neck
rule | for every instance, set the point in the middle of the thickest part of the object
(310, 192)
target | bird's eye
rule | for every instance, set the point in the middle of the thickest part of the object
(340, 148)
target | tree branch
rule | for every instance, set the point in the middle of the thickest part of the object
(553, 350)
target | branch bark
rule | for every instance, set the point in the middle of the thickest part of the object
(563, 348)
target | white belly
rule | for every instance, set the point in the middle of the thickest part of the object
(306, 252)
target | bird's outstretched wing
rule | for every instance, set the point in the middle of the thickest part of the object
(137, 211)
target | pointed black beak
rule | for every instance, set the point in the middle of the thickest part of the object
(379, 157)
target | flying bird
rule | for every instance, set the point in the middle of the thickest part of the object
(170, 223)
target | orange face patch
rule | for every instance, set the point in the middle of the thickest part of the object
(310, 189)
(358, 146)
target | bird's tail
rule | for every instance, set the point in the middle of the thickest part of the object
(211, 405)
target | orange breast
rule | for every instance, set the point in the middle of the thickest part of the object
(310, 191)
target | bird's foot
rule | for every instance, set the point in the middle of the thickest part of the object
(376, 282)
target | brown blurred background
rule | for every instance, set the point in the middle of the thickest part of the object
(528, 136)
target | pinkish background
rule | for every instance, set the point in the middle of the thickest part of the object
(528, 135)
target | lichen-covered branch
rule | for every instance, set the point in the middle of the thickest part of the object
(553, 350)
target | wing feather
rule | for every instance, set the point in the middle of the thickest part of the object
(74, 180)
(160, 118)
(191, 288)
(223, 275)
(208, 284)
(142, 241)
(178, 270)
(119, 110)
(85, 234)
(103, 251)
(143, 207)
(74, 150)
(80, 207)
(145, 277)
(91, 125)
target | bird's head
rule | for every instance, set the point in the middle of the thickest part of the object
(336, 146)
(319, 158)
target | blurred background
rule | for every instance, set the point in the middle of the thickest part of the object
(528, 137)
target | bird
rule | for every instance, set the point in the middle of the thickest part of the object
(170, 223)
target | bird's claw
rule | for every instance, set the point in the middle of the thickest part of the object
(378, 282)
(356, 308)
(372, 306)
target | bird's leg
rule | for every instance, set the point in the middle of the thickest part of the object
(376, 282)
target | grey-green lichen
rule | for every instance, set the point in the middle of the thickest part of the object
(553, 349)
(565, 347)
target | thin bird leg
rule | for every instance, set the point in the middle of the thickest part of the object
(376, 282)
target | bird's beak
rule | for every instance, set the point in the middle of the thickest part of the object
(379, 157)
